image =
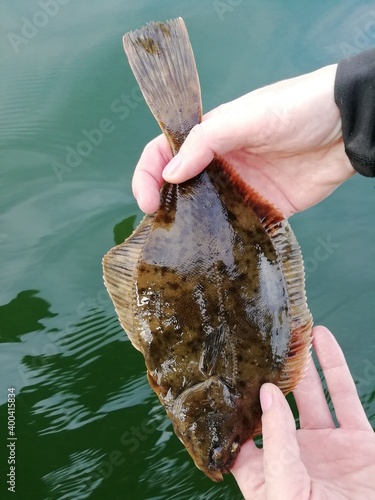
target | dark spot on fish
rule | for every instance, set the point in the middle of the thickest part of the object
(232, 216)
(194, 346)
(163, 270)
(168, 218)
(148, 44)
(221, 267)
(163, 28)
(173, 285)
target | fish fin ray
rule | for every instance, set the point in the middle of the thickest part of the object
(162, 60)
(119, 268)
(212, 348)
(267, 213)
(300, 317)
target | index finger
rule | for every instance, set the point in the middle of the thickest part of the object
(147, 178)
(310, 398)
(348, 408)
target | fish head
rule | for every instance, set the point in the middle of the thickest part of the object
(205, 418)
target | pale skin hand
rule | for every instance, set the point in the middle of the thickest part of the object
(284, 140)
(318, 461)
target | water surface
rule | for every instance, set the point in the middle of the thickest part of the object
(73, 126)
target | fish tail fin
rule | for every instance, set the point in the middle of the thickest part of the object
(162, 60)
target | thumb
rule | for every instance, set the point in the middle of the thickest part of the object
(285, 473)
(194, 155)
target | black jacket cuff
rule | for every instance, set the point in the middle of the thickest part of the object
(355, 98)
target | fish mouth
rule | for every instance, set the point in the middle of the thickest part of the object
(215, 475)
(218, 465)
(215, 472)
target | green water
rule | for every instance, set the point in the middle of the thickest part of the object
(87, 423)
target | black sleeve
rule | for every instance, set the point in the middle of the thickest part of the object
(355, 98)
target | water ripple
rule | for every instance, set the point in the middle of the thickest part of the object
(135, 391)
(75, 479)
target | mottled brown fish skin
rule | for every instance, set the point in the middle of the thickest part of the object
(208, 265)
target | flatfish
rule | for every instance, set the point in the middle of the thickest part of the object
(210, 288)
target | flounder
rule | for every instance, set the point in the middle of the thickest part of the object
(210, 288)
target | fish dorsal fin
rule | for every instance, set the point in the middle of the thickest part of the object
(120, 266)
(162, 60)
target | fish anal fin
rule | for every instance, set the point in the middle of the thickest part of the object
(119, 273)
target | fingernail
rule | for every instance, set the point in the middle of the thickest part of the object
(172, 166)
(266, 398)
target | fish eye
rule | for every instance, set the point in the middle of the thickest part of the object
(234, 447)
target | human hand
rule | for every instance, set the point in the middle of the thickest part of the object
(284, 140)
(318, 460)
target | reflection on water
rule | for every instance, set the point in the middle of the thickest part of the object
(22, 315)
(62, 393)
(133, 392)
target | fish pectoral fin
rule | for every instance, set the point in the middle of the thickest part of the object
(119, 272)
(212, 347)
